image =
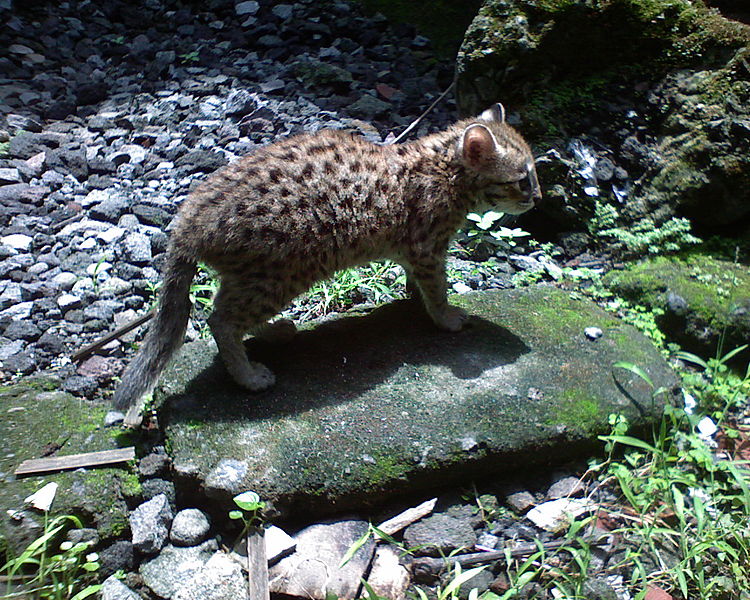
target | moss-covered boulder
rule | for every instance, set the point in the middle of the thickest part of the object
(653, 96)
(372, 405)
(38, 420)
(702, 303)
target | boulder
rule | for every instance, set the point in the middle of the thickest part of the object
(371, 405)
(700, 301)
(645, 105)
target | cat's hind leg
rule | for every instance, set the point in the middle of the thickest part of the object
(240, 307)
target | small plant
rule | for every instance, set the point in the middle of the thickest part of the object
(190, 57)
(251, 509)
(643, 236)
(377, 282)
(486, 228)
(38, 573)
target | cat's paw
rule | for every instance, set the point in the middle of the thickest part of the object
(258, 378)
(452, 319)
(279, 332)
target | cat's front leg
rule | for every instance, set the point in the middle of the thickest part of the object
(428, 273)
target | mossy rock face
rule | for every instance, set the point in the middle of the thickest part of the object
(658, 88)
(704, 300)
(369, 406)
(36, 418)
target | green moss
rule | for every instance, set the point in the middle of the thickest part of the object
(578, 411)
(714, 295)
(387, 469)
(130, 485)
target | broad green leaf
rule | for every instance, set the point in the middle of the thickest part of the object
(635, 369)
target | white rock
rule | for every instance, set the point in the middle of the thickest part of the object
(22, 310)
(461, 288)
(114, 589)
(17, 241)
(388, 577)
(68, 301)
(593, 333)
(110, 235)
(555, 515)
(706, 428)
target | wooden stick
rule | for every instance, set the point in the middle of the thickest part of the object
(418, 120)
(257, 565)
(88, 350)
(38, 466)
(407, 517)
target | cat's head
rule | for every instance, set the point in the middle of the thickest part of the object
(500, 162)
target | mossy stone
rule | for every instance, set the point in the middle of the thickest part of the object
(706, 300)
(37, 417)
(577, 69)
(383, 403)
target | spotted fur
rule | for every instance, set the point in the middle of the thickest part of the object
(296, 211)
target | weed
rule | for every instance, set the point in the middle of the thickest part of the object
(251, 509)
(486, 228)
(375, 283)
(644, 236)
(684, 525)
(39, 573)
(190, 57)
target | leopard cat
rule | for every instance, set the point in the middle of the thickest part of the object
(294, 212)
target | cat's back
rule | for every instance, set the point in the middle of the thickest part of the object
(305, 185)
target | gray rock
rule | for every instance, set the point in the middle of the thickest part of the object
(111, 207)
(246, 8)
(189, 527)
(203, 161)
(314, 569)
(221, 578)
(226, 477)
(440, 534)
(521, 502)
(167, 572)
(369, 107)
(136, 248)
(114, 589)
(565, 487)
(154, 487)
(154, 465)
(422, 389)
(149, 524)
(22, 330)
(240, 103)
(69, 159)
(283, 11)
(118, 556)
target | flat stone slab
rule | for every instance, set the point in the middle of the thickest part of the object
(371, 405)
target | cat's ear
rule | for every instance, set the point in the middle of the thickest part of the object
(494, 114)
(477, 145)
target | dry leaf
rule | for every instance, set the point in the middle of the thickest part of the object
(656, 593)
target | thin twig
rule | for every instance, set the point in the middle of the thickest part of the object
(435, 565)
(413, 124)
(88, 350)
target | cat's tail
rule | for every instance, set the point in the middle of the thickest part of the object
(164, 337)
